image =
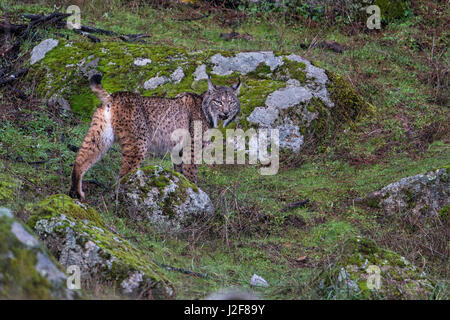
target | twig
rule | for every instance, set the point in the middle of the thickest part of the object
(293, 205)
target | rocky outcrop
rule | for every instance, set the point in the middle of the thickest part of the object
(163, 199)
(76, 235)
(27, 271)
(421, 195)
(280, 91)
(367, 271)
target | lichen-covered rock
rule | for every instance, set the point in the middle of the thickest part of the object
(27, 271)
(77, 235)
(39, 51)
(301, 97)
(368, 271)
(420, 195)
(162, 198)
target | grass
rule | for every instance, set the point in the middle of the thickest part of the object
(254, 235)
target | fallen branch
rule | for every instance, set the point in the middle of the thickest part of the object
(293, 205)
(12, 77)
(87, 35)
(97, 30)
(11, 28)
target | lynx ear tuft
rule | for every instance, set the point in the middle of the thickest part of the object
(237, 87)
(211, 86)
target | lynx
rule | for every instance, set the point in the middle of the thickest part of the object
(143, 125)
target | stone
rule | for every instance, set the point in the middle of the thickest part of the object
(371, 272)
(258, 281)
(38, 53)
(141, 61)
(177, 75)
(155, 82)
(59, 102)
(420, 195)
(27, 271)
(200, 73)
(244, 62)
(288, 97)
(163, 199)
(76, 235)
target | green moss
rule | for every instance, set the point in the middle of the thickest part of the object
(88, 226)
(19, 278)
(262, 71)
(399, 278)
(8, 188)
(324, 121)
(349, 105)
(58, 204)
(254, 94)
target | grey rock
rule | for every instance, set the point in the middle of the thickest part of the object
(141, 61)
(58, 102)
(163, 199)
(5, 212)
(244, 62)
(200, 73)
(317, 79)
(155, 82)
(420, 195)
(264, 117)
(97, 252)
(258, 281)
(177, 75)
(288, 97)
(290, 137)
(43, 280)
(38, 53)
(24, 236)
(89, 68)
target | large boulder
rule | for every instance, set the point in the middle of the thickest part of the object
(77, 235)
(281, 90)
(163, 199)
(420, 195)
(367, 271)
(27, 271)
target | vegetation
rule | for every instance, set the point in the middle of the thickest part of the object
(401, 69)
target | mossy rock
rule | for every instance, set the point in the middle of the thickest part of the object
(76, 235)
(162, 199)
(421, 195)
(27, 270)
(356, 274)
(64, 72)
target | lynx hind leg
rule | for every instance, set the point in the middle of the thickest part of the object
(97, 142)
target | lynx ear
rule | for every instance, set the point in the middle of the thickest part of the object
(211, 86)
(237, 87)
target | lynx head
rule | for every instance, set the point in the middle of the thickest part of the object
(221, 103)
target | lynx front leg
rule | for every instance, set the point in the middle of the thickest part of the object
(98, 140)
(132, 156)
(190, 171)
